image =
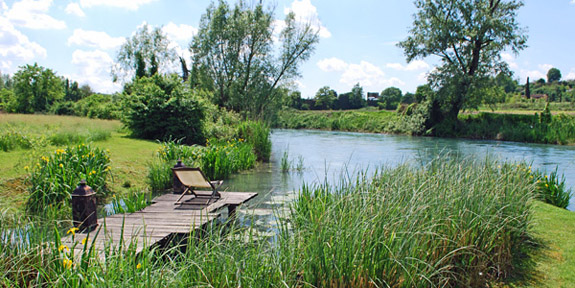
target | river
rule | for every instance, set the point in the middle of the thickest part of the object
(330, 156)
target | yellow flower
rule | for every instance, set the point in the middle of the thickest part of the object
(72, 230)
(63, 247)
(547, 185)
(139, 266)
(26, 167)
(85, 240)
(61, 165)
(67, 263)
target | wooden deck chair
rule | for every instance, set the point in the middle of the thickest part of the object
(195, 178)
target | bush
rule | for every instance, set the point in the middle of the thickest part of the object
(54, 177)
(161, 108)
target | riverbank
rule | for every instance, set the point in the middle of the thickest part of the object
(234, 257)
(557, 129)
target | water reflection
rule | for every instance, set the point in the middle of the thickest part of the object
(326, 155)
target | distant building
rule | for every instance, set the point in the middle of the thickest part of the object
(372, 96)
(539, 96)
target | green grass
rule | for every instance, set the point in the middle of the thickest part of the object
(483, 125)
(556, 262)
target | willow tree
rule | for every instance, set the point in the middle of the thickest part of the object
(236, 56)
(468, 36)
(143, 55)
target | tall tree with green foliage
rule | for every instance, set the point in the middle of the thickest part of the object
(553, 75)
(325, 98)
(35, 89)
(468, 36)
(145, 54)
(234, 56)
(390, 98)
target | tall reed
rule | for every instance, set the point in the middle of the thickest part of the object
(453, 223)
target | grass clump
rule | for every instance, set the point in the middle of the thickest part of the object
(451, 224)
(258, 135)
(218, 160)
(54, 177)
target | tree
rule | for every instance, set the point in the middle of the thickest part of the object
(325, 98)
(357, 100)
(527, 90)
(468, 36)
(553, 75)
(390, 98)
(506, 82)
(234, 56)
(145, 54)
(35, 89)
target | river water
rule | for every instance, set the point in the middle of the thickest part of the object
(330, 156)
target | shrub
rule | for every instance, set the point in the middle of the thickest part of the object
(54, 177)
(162, 108)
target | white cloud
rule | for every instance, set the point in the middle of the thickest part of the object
(16, 48)
(180, 32)
(94, 70)
(95, 39)
(412, 66)
(545, 67)
(32, 14)
(125, 4)
(332, 65)
(74, 9)
(367, 74)
(510, 59)
(307, 13)
(533, 75)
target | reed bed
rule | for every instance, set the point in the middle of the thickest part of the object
(218, 160)
(452, 223)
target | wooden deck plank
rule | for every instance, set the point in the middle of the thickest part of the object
(158, 221)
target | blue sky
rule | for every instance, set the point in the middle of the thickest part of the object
(79, 39)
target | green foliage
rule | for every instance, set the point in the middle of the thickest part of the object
(249, 80)
(453, 223)
(54, 177)
(510, 127)
(325, 98)
(353, 120)
(35, 90)
(553, 75)
(130, 203)
(218, 160)
(161, 107)
(258, 135)
(551, 189)
(12, 139)
(390, 98)
(99, 106)
(221, 159)
(144, 55)
(469, 37)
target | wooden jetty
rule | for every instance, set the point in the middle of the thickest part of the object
(157, 223)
